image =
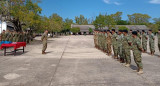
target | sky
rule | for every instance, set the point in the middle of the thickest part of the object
(92, 8)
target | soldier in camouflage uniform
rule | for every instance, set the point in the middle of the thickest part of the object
(114, 44)
(158, 36)
(7, 35)
(119, 43)
(151, 42)
(104, 41)
(109, 43)
(137, 49)
(3, 35)
(139, 34)
(44, 40)
(126, 48)
(144, 40)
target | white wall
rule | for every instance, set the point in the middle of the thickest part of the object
(4, 26)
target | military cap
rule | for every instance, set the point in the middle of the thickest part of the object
(126, 31)
(108, 30)
(113, 30)
(143, 30)
(134, 33)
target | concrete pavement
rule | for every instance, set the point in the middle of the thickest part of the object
(73, 61)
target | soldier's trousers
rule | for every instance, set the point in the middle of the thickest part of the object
(44, 46)
(144, 44)
(115, 49)
(127, 55)
(159, 46)
(120, 52)
(138, 58)
(151, 45)
(109, 48)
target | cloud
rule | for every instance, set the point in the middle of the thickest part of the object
(154, 1)
(106, 1)
(117, 3)
(111, 2)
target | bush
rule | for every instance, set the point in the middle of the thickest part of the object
(123, 28)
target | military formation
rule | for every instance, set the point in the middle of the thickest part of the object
(123, 42)
(14, 36)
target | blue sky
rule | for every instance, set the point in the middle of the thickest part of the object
(91, 8)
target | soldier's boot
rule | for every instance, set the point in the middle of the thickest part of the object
(127, 65)
(43, 52)
(140, 71)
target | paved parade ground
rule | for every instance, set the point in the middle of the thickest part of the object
(73, 61)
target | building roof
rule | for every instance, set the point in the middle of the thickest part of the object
(85, 28)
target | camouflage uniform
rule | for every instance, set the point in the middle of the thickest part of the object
(7, 36)
(114, 44)
(158, 35)
(137, 52)
(151, 43)
(119, 43)
(144, 41)
(109, 38)
(3, 35)
(126, 49)
(44, 40)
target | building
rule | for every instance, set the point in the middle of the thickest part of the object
(6, 26)
(85, 28)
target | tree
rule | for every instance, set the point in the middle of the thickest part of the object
(56, 23)
(122, 22)
(117, 17)
(21, 12)
(109, 21)
(138, 19)
(75, 30)
(90, 30)
(67, 25)
(99, 22)
(81, 20)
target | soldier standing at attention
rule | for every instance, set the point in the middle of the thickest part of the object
(139, 34)
(44, 40)
(126, 46)
(137, 49)
(119, 43)
(114, 44)
(151, 42)
(109, 37)
(158, 35)
(144, 41)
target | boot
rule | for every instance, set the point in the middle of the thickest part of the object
(127, 65)
(140, 71)
(43, 52)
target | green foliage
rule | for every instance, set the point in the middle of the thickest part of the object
(56, 23)
(90, 30)
(123, 22)
(122, 28)
(75, 29)
(139, 19)
(21, 12)
(67, 24)
(81, 20)
(99, 21)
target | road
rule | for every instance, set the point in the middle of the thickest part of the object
(73, 61)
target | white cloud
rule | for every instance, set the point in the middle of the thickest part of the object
(111, 2)
(155, 1)
(117, 3)
(106, 1)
